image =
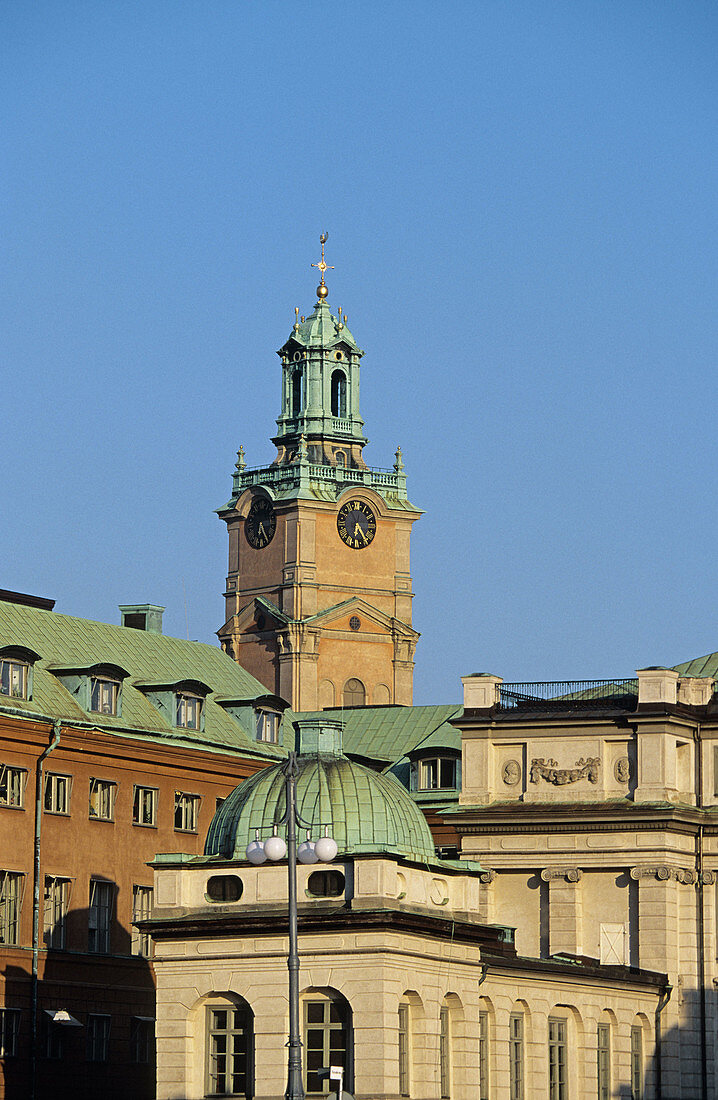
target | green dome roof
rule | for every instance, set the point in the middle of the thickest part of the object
(322, 329)
(365, 811)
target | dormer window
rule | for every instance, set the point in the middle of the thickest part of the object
(96, 688)
(438, 773)
(188, 711)
(103, 695)
(268, 726)
(13, 678)
(16, 671)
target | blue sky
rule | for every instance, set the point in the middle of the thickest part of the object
(521, 205)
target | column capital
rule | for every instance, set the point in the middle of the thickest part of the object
(569, 874)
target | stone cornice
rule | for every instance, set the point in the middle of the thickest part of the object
(261, 921)
(581, 817)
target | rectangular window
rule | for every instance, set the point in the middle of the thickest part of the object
(144, 806)
(98, 1038)
(483, 1056)
(9, 1031)
(11, 887)
(56, 906)
(325, 1042)
(516, 1056)
(13, 678)
(189, 712)
(186, 812)
(54, 1039)
(103, 695)
(12, 786)
(57, 793)
(444, 1054)
(557, 1087)
(604, 1061)
(437, 774)
(102, 799)
(142, 1040)
(228, 1047)
(636, 1063)
(267, 726)
(142, 898)
(404, 1082)
(99, 916)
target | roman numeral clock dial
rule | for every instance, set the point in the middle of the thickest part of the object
(260, 524)
(356, 524)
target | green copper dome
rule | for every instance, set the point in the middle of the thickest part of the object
(365, 811)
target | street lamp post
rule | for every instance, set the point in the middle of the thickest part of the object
(324, 849)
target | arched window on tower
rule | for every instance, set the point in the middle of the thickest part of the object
(297, 391)
(339, 394)
(354, 693)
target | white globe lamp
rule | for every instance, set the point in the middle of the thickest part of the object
(256, 853)
(306, 852)
(326, 849)
(275, 848)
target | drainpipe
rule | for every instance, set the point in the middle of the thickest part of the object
(662, 1002)
(54, 742)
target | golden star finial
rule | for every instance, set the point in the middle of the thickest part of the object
(322, 290)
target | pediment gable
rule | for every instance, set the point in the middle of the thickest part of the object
(340, 615)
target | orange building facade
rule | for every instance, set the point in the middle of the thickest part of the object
(87, 799)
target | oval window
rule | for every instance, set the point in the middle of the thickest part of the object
(224, 888)
(325, 884)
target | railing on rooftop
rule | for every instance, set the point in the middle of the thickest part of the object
(568, 695)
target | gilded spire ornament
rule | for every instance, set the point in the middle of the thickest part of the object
(241, 462)
(322, 289)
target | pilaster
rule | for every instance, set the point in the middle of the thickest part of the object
(565, 910)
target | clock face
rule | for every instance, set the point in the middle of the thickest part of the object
(356, 524)
(260, 524)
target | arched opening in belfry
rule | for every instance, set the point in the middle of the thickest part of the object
(297, 391)
(339, 394)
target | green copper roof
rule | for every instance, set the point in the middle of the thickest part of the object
(365, 811)
(385, 734)
(322, 330)
(699, 666)
(65, 642)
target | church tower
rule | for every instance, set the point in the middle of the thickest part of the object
(318, 597)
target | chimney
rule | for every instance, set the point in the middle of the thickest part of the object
(142, 616)
(319, 736)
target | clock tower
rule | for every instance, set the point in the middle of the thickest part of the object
(318, 596)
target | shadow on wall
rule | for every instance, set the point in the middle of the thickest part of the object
(106, 1048)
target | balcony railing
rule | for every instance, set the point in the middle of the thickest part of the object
(569, 695)
(289, 476)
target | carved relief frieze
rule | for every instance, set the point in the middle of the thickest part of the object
(569, 874)
(586, 768)
(663, 873)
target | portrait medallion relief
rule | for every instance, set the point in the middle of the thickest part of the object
(511, 773)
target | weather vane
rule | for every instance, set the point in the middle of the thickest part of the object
(322, 290)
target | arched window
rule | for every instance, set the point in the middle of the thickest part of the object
(297, 391)
(229, 1069)
(354, 693)
(339, 393)
(328, 1040)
